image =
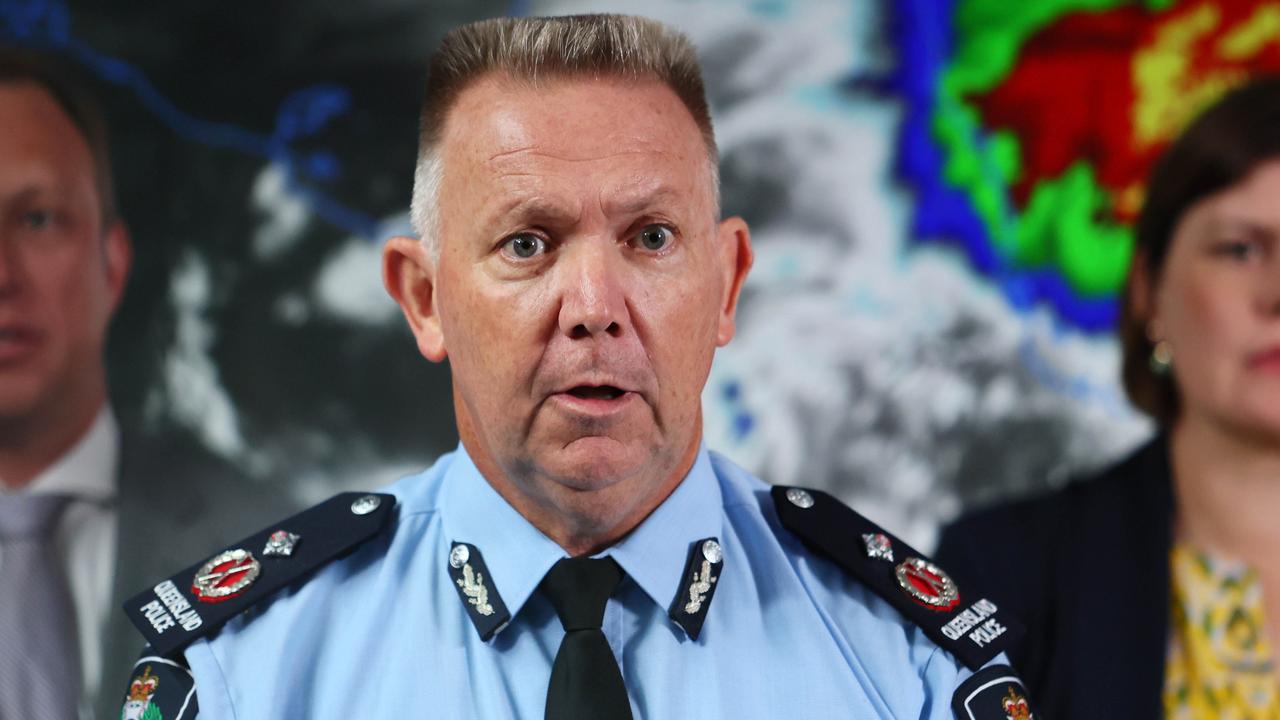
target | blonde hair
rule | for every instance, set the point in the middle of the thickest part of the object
(534, 50)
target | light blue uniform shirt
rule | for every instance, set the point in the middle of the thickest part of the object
(383, 633)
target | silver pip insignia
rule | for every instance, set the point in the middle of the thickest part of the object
(878, 546)
(281, 544)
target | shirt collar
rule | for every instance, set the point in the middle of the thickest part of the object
(518, 555)
(654, 554)
(88, 470)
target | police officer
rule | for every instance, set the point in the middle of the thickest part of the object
(581, 554)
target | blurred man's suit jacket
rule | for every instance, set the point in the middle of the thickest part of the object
(178, 504)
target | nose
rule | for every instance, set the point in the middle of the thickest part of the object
(593, 300)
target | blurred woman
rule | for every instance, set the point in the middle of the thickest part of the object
(1153, 590)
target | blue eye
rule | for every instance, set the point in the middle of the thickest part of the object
(526, 245)
(654, 237)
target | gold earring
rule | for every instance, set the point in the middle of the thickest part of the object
(1161, 360)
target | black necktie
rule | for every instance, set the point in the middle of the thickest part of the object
(585, 680)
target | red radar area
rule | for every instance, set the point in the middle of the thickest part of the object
(1111, 89)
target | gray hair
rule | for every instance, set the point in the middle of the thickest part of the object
(532, 50)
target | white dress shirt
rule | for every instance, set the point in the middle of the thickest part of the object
(86, 534)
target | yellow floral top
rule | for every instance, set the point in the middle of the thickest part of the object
(1220, 661)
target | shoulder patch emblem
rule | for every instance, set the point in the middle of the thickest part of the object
(200, 599)
(993, 693)
(161, 690)
(972, 629)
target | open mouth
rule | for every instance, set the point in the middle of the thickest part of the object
(597, 392)
(16, 335)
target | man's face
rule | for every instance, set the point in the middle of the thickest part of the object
(60, 274)
(582, 286)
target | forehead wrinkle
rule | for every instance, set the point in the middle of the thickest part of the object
(533, 152)
(643, 198)
(518, 205)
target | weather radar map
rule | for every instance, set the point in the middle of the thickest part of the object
(941, 195)
(1030, 135)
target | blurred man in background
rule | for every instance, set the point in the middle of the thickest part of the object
(83, 513)
(64, 258)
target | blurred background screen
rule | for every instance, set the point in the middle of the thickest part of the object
(940, 194)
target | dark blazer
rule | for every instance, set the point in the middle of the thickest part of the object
(1087, 570)
(178, 505)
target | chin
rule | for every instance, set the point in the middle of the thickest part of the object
(1269, 429)
(596, 463)
(18, 399)
(1259, 422)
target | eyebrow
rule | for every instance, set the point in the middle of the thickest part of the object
(1234, 223)
(527, 208)
(33, 191)
(542, 209)
(645, 200)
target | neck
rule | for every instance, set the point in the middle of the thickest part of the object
(581, 522)
(582, 535)
(29, 445)
(1227, 487)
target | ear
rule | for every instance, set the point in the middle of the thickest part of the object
(734, 241)
(408, 272)
(1142, 296)
(117, 250)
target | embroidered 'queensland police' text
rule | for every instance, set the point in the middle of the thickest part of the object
(177, 607)
(977, 615)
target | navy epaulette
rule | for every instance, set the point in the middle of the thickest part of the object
(972, 629)
(198, 600)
